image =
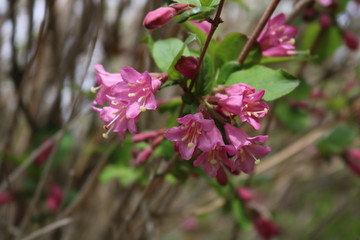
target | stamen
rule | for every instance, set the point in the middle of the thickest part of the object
(292, 41)
(95, 89)
(142, 108)
(141, 98)
(114, 103)
(131, 85)
(257, 161)
(190, 145)
(213, 161)
(131, 94)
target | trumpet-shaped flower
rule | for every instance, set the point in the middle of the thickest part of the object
(194, 132)
(114, 118)
(137, 89)
(277, 40)
(248, 149)
(105, 82)
(242, 100)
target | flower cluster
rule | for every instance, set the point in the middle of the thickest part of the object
(277, 40)
(241, 151)
(127, 94)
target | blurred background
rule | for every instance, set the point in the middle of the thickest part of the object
(61, 180)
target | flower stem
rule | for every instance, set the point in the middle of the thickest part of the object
(214, 24)
(264, 19)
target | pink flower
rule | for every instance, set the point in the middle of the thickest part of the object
(204, 26)
(353, 160)
(212, 160)
(266, 228)
(159, 17)
(248, 151)
(325, 20)
(187, 66)
(242, 100)
(350, 40)
(143, 156)
(277, 40)
(106, 81)
(114, 118)
(194, 132)
(137, 89)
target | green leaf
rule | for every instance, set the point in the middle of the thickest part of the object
(325, 48)
(241, 4)
(193, 2)
(337, 140)
(294, 118)
(205, 80)
(276, 83)
(226, 70)
(125, 174)
(173, 73)
(164, 52)
(196, 13)
(229, 48)
(170, 105)
(201, 36)
(302, 92)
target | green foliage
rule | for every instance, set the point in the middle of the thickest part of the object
(125, 174)
(301, 92)
(65, 146)
(201, 36)
(239, 213)
(204, 3)
(325, 47)
(276, 83)
(193, 2)
(226, 70)
(173, 73)
(229, 48)
(294, 118)
(205, 80)
(165, 51)
(337, 140)
(196, 13)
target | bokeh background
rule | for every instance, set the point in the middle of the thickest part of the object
(61, 180)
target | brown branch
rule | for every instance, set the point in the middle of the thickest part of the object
(252, 40)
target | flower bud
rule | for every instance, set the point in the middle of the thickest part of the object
(41, 158)
(325, 20)
(350, 40)
(187, 66)
(221, 177)
(143, 156)
(146, 135)
(180, 7)
(204, 26)
(353, 160)
(266, 228)
(159, 17)
(244, 194)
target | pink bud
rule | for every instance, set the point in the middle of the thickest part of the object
(244, 194)
(143, 156)
(266, 228)
(326, 3)
(221, 177)
(350, 40)
(158, 17)
(353, 161)
(157, 141)
(325, 20)
(57, 193)
(52, 204)
(180, 7)
(187, 66)
(189, 223)
(5, 198)
(41, 158)
(146, 135)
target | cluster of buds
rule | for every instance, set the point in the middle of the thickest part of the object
(277, 39)
(127, 94)
(154, 138)
(199, 133)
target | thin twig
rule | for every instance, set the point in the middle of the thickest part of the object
(49, 228)
(264, 19)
